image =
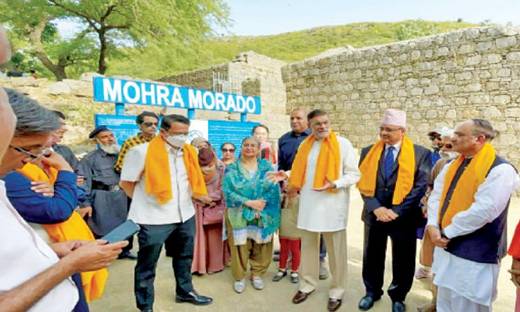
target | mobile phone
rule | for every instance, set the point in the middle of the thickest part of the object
(122, 232)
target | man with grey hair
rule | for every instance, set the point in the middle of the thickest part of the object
(109, 203)
(33, 275)
(467, 215)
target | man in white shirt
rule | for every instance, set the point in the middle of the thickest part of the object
(323, 170)
(159, 176)
(467, 214)
(32, 275)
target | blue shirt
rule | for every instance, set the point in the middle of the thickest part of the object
(288, 146)
(435, 157)
(36, 208)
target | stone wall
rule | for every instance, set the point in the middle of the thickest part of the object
(252, 74)
(438, 81)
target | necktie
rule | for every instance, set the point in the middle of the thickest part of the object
(389, 161)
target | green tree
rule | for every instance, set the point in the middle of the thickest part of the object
(111, 25)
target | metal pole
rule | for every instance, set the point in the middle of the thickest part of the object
(191, 113)
(120, 109)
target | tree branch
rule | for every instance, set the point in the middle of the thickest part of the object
(79, 13)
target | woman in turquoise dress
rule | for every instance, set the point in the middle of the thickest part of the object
(253, 215)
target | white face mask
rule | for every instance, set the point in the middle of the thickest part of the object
(177, 140)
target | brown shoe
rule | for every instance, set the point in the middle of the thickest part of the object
(300, 297)
(333, 304)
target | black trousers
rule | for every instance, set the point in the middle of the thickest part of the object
(402, 236)
(179, 238)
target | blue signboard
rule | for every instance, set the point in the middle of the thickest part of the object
(160, 94)
(216, 131)
(221, 131)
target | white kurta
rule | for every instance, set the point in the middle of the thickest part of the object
(23, 255)
(328, 211)
(473, 280)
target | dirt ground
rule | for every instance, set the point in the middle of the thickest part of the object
(277, 296)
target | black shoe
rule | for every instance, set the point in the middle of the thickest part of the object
(127, 255)
(279, 275)
(147, 310)
(366, 303)
(194, 298)
(398, 306)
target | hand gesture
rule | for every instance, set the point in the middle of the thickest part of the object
(257, 204)
(384, 214)
(85, 211)
(93, 255)
(64, 248)
(56, 161)
(436, 237)
(326, 186)
(205, 199)
(43, 187)
(277, 176)
(515, 272)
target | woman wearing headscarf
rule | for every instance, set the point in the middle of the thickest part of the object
(209, 255)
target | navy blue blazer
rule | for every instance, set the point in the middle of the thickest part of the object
(409, 210)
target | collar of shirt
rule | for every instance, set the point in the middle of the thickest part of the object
(304, 133)
(397, 147)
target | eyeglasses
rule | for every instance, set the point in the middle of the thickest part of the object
(386, 129)
(226, 150)
(41, 152)
(149, 124)
(447, 145)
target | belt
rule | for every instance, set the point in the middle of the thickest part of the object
(98, 185)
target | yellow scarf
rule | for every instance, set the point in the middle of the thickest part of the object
(157, 171)
(74, 228)
(327, 167)
(405, 171)
(474, 174)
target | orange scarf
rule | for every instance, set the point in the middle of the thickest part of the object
(327, 167)
(474, 174)
(157, 171)
(74, 228)
(405, 171)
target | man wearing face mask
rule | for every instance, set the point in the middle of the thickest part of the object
(109, 203)
(162, 176)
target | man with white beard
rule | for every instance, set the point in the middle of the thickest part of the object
(109, 203)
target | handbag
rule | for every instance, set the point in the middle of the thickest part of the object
(213, 214)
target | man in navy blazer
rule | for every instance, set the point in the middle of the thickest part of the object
(385, 218)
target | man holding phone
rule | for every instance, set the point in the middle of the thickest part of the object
(35, 275)
(161, 177)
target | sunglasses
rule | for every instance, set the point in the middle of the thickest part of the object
(43, 152)
(231, 150)
(149, 124)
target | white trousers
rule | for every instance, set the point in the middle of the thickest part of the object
(450, 301)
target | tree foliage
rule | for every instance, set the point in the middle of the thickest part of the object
(108, 27)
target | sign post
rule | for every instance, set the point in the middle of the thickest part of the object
(150, 93)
